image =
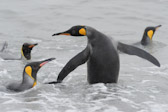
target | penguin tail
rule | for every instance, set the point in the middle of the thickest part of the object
(131, 50)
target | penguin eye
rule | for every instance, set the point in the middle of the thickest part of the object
(73, 32)
(27, 50)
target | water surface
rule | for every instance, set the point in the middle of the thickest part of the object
(142, 87)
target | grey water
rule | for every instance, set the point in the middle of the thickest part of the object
(142, 87)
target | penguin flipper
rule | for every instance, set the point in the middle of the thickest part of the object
(79, 59)
(131, 50)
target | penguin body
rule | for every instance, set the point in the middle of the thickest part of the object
(29, 76)
(101, 56)
(26, 84)
(102, 66)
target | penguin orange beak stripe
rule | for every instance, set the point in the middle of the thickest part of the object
(46, 61)
(62, 33)
(43, 63)
(65, 34)
(31, 46)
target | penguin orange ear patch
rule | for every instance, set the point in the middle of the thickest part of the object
(31, 46)
(28, 70)
(150, 34)
(82, 31)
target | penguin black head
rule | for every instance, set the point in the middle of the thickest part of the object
(149, 31)
(32, 68)
(26, 50)
(74, 31)
(148, 34)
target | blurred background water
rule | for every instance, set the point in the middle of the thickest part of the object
(142, 87)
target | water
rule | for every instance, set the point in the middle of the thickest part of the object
(142, 87)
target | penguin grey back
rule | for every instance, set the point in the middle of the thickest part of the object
(103, 63)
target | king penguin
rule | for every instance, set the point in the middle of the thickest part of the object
(101, 56)
(29, 76)
(25, 52)
(148, 35)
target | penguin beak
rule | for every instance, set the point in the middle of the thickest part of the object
(157, 27)
(46, 61)
(31, 46)
(62, 33)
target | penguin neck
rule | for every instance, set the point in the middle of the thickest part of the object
(23, 56)
(93, 34)
(145, 40)
(27, 81)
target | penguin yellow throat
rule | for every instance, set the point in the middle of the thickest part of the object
(150, 34)
(28, 70)
(35, 83)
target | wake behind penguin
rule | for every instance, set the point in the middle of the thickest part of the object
(25, 52)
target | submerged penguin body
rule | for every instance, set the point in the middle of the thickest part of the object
(26, 84)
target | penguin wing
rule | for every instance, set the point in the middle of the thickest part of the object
(79, 59)
(131, 50)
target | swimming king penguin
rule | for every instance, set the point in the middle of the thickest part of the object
(148, 35)
(25, 53)
(26, 50)
(101, 56)
(29, 76)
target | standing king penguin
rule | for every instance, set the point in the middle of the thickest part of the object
(25, 52)
(29, 76)
(101, 56)
(148, 35)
